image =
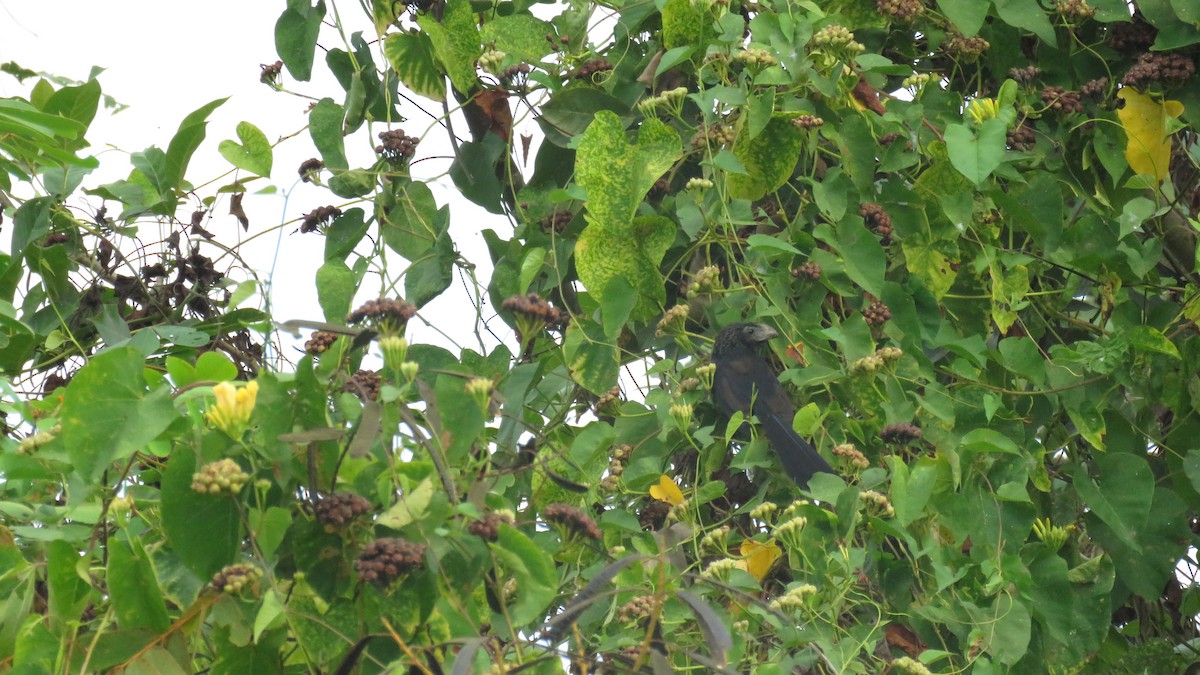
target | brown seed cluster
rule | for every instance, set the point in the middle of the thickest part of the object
(513, 71)
(1164, 68)
(1074, 11)
(899, 10)
(385, 313)
(587, 69)
(640, 607)
(653, 514)
(310, 169)
(319, 218)
(899, 434)
(557, 42)
(396, 147)
(488, 527)
(573, 520)
(1095, 89)
(966, 48)
(852, 456)
(608, 398)
(555, 221)
(1022, 138)
(809, 270)
(320, 342)
(889, 138)
(232, 579)
(876, 314)
(364, 383)
(714, 135)
(1026, 75)
(270, 73)
(532, 306)
(336, 511)
(807, 122)
(1132, 37)
(384, 560)
(1061, 100)
(877, 220)
(616, 467)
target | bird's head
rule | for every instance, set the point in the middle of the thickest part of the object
(740, 337)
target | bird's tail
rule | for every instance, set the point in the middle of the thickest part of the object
(800, 459)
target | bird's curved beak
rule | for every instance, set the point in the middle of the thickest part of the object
(766, 332)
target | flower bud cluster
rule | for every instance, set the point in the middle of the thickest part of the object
(221, 476)
(231, 579)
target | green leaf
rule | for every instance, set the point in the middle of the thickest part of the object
(203, 530)
(769, 158)
(533, 570)
(17, 343)
(344, 233)
(187, 138)
(411, 56)
(474, 171)
(570, 112)
(296, 33)
(253, 154)
(425, 279)
(1122, 499)
(616, 305)
(1149, 339)
(1029, 15)
(966, 15)
(78, 103)
(414, 223)
(863, 256)
(325, 127)
(931, 267)
(336, 284)
(763, 242)
(107, 413)
(988, 440)
(133, 588)
(455, 42)
(618, 175)
(215, 367)
(531, 266)
(976, 156)
(602, 254)
(593, 362)
(521, 36)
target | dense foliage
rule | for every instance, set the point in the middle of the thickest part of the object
(972, 223)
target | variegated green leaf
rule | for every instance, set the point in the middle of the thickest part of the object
(455, 42)
(769, 158)
(411, 56)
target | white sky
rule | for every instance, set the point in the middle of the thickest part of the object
(164, 60)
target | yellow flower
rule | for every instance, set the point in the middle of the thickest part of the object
(1145, 120)
(231, 413)
(667, 491)
(758, 558)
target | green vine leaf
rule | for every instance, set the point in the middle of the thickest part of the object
(411, 56)
(455, 42)
(769, 157)
(253, 154)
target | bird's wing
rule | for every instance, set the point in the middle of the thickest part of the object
(744, 379)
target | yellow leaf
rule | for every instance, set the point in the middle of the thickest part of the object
(1148, 150)
(757, 558)
(667, 491)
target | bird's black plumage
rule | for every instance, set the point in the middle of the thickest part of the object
(744, 380)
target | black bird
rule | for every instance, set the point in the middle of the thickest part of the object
(743, 379)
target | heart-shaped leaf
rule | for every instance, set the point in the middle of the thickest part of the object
(253, 154)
